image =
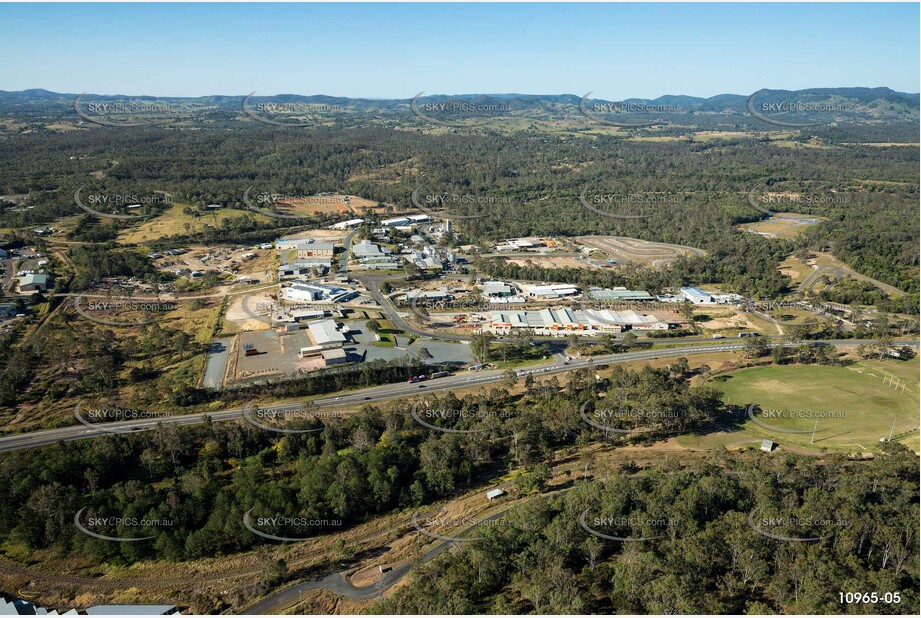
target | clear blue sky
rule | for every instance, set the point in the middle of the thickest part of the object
(397, 50)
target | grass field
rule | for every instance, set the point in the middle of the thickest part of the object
(785, 225)
(174, 222)
(853, 406)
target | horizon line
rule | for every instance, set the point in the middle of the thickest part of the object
(426, 95)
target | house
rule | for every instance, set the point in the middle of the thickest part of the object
(768, 445)
(3, 253)
(8, 310)
(33, 282)
(492, 494)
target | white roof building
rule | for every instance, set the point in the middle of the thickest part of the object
(696, 296)
(342, 225)
(554, 290)
(302, 290)
(569, 321)
(366, 249)
(325, 331)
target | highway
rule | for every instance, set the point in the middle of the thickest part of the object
(375, 394)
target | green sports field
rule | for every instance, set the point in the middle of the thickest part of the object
(850, 407)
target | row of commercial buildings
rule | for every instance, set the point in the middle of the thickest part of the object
(304, 257)
(562, 322)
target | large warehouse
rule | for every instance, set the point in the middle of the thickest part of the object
(561, 322)
(324, 332)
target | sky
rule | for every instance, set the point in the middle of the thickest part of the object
(398, 50)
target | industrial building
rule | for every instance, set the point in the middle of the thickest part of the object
(326, 331)
(439, 295)
(618, 294)
(303, 290)
(343, 225)
(696, 296)
(334, 357)
(307, 248)
(561, 322)
(549, 292)
(517, 244)
(33, 282)
(366, 249)
(305, 267)
(496, 288)
(408, 220)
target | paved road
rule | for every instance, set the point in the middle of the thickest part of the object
(833, 272)
(339, 583)
(344, 257)
(377, 393)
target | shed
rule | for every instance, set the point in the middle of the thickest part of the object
(492, 494)
(768, 445)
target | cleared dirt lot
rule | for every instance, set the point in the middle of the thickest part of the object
(781, 225)
(324, 204)
(623, 249)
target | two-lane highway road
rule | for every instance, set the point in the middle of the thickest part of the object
(378, 393)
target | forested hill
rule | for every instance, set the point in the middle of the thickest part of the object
(861, 105)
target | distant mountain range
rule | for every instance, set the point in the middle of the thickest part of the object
(850, 104)
(859, 93)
